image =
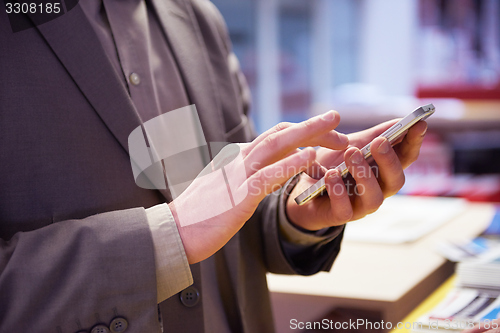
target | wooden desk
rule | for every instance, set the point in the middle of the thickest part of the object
(392, 279)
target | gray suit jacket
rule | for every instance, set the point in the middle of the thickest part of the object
(75, 247)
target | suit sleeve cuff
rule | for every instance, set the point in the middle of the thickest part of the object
(172, 268)
(301, 237)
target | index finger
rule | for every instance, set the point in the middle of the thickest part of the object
(316, 131)
(362, 138)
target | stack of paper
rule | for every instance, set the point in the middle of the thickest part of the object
(481, 272)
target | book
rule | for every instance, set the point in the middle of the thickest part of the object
(461, 309)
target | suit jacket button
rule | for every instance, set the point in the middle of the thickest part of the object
(99, 329)
(190, 296)
(118, 325)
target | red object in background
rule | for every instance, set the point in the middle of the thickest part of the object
(495, 197)
(485, 193)
(463, 91)
(485, 188)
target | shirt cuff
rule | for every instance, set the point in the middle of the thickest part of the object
(294, 235)
(172, 268)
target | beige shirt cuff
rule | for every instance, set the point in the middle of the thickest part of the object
(172, 268)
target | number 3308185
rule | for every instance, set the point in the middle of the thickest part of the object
(33, 8)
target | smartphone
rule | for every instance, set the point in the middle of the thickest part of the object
(392, 134)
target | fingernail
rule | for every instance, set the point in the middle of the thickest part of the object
(329, 116)
(305, 154)
(334, 175)
(383, 148)
(356, 157)
(425, 131)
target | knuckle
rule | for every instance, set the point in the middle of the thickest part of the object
(308, 123)
(379, 199)
(291, 167)
(261, 181)
(408, 159)
(344, 216)
(396, 186)
(400, 182)
(375, 203)
(415, 155)
(281, 126)
(245, 147)
(272, 142)
(255, 180)
(253, 167)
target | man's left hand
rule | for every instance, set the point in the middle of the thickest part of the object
(366, 192)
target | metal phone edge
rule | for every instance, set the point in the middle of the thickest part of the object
(427, 110)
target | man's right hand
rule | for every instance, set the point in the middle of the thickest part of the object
(268, 162)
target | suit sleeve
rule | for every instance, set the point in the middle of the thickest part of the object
(280, 255)
(75, 274)
(284, 257)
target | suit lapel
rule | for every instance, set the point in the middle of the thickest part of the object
(189, 50)
(75, 43)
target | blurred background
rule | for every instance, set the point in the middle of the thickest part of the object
(373, 60)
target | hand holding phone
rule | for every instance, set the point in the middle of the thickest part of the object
(392, 134)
